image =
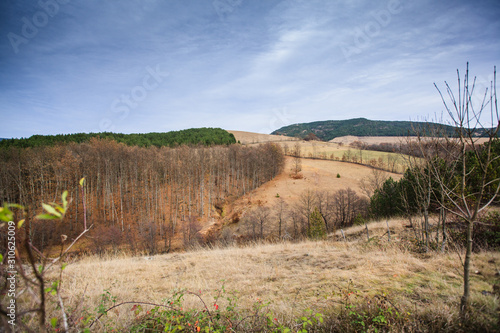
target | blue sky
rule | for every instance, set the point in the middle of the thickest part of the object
(132, 66)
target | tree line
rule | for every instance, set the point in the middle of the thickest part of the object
(133, 195)
(420, 193)
(315, 215)
(193, 136)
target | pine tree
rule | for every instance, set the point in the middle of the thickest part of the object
(317, 228)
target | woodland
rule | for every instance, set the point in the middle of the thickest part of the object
(134, 195)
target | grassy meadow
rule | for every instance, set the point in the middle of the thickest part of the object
(335, 151)
(350, 283)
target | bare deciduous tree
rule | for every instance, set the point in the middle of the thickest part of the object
(373, 181)
(281, 209)
(347, 206)
(297, 162)
(464, 170)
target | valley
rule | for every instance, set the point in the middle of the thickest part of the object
(230, 227)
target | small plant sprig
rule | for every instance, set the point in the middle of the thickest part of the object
(34, 277)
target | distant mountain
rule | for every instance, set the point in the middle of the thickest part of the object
(330, 129)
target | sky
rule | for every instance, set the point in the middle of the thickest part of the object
(138, 66)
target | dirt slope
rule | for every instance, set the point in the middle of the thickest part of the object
(318, 175)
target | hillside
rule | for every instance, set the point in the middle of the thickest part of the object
(330, 129)
(134, 196)
(318, 176)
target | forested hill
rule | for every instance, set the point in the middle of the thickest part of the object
(330, 129)
(194, 136)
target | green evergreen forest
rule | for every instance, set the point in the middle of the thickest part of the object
(193, 136)
(330, 129)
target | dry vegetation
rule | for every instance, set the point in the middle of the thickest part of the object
(293, 277)
(246, 138)
(317, 175)
(338, 149)
(349, 139)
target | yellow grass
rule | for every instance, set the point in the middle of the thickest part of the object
(252, 138)
(293, 277)
(349, 139)
(325, 150)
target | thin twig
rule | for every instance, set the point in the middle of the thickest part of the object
(131, 302)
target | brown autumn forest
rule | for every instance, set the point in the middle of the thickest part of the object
(142, 197)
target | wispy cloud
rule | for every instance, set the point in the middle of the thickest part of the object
(235, 68)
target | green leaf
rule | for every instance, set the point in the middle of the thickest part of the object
(81, 181)
(1, 258)
(53, 322)
(6, 214)
(65, 200)
(51, 210)
(46, 217)
(15, 206)
(59, 208)
(20, 224)
(40, 269)
(64, 266)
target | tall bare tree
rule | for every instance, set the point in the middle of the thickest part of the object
(465, 171)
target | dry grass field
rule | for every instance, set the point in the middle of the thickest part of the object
(349, 139)
(252, 138)
(293, 277)
(333, 150)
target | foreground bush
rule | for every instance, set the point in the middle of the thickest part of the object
(356, 312)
